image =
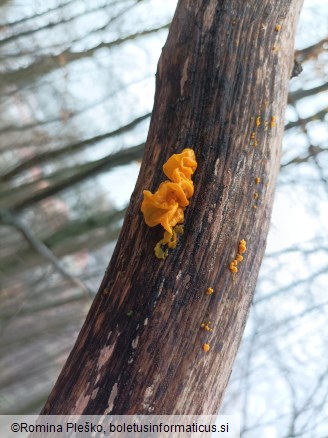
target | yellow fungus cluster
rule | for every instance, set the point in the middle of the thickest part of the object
(277, 27)
(209, 291)
(253, 139)
(233, 267)
(166, 206)
(257, 180)
(264, 124)
(239, 258)
(258, 123)
(273, 122)
(206, 326)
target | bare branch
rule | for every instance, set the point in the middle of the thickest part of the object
(48, 63)
(311, 51)
(66, 240)
(8, 218)
(289, 286)
(300, 94)
(40, 14)
(320, 115)
(64, 21)
(314, 151)
(84, 171)
(68, 149)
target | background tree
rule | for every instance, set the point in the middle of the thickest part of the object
(40, 114)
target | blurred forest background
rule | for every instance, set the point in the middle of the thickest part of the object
(76, 92)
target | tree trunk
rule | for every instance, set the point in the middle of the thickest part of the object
(221, 89)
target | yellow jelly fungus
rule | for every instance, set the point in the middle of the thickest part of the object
(253, 136)
(209, 291)
(277, 28)
(169, 240)
(166, 206)
(255, 196)
(273, 122)
(258, 121)
(257, 180)
(239, 257)
(206, 347)
(233, 269)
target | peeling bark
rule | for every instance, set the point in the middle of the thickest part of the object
(224, 65)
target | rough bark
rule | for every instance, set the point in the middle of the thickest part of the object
(223, 65)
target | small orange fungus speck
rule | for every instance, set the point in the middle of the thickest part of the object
(166, 206)
(206, 347)
(255, 196)
(242, 249)
(277, 28)
(209, 291)
(257, 180)
(258, 121)
(273, 122)
(254, 206)
(239, 257)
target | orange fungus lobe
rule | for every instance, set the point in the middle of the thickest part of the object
(166, 206)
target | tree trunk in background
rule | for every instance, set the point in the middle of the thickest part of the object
(222, 76)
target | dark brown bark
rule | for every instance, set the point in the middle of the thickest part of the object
(223, 65)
